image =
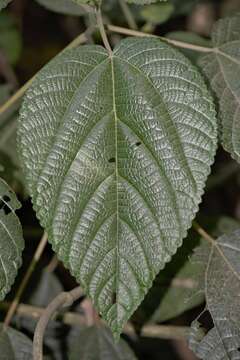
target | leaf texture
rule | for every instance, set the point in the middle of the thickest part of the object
(222, 68)
(222, 288)
(97, 343)
(116, 151)
(14, 345)
(11, 239)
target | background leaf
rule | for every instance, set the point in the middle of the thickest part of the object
(63, 6)
(97, 343)
(222, 68)
(11, 239)
(157, 13)
(10, 38)
(222, 287)
(128, 149)
(14, 345)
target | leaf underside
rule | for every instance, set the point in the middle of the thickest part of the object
(222, 288)
(222, 68)
(116, 151)
(11, 239)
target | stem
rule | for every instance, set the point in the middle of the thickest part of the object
(128, 15)
(124, 31)
(102, 31)
(203, 233)
(63, 299)
(82, 38)
(72, 318)
(24, 283)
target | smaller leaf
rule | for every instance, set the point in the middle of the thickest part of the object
(222, 288)
(63, 7)
(157, 13)
(14, 345)
(222, 69)
(11, 239)
(97, 343)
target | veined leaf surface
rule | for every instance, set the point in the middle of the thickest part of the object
(11, 239)
(222, 68)
(222, 287)
(116, 151)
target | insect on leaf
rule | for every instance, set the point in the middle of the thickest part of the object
(116, 151)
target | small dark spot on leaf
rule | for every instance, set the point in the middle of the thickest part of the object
(112, 160)
(3, 205)
(238, 349)
(6, 198)
(138, 143)
(114, 298)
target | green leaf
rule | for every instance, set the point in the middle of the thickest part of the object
(14, 345)
(63, 6)
(116, 151)
(157, 13)
(11, 239)
(10, 38)
(97, 343)
(222, 287)
(222, 68)
(4, 3)
(87, 2)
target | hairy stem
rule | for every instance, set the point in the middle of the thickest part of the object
(129, 32)
(38, 253)
(63, 299)
(82, 38)
(102, 31)
(128, 15)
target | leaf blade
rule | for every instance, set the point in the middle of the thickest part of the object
(98, 156)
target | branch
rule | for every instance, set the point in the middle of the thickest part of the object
(125, 31)
(128, 14)
(63, 299)
(38, 253)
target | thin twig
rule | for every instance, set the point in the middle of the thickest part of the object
(128, 15)
(181, 44)
(24, 283)
(102, 31)
(73, 318)
(63, 299)
(82, 38)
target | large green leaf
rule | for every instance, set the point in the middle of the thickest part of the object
(116, 151)
(97, 343)
(222, 68)
(11, 239)
(222, 288)
(63, 6)
(14, 345)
